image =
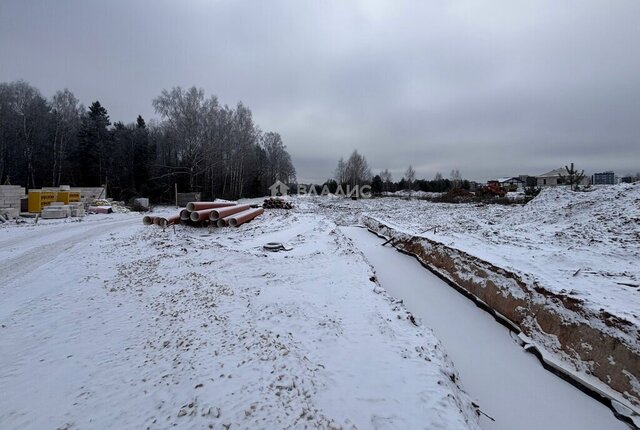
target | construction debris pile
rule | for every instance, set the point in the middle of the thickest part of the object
(276, 203)
(106, 206)
(203, 214)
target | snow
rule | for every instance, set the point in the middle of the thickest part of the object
(414, 194)
(582, 245)
(579, 244)
(509, 384)
(106, 323)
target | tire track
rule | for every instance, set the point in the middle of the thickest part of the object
(51, 230)
(14, 268)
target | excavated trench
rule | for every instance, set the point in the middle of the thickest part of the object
(597, 353)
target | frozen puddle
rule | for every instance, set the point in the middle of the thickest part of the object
(509, 384)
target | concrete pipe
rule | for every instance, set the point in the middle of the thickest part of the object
(167, 221)
(148, 220)
(185, 215)
(216, 214)
(246, 216)
(198, 206)
(223, 222)
(200, 215)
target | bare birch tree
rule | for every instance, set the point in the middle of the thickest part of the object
(387, 179)
(185, 112)
(357, 170)
(32, 110)
(278, 165)
(66, 110)
(340, 174)
(410, 176)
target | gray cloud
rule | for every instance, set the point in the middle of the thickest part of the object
(491, 88)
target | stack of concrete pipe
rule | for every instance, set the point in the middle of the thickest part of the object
(202, 214)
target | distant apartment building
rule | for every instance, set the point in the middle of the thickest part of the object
(604, 178)
(630, 179)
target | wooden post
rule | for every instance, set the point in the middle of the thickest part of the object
(176, 184)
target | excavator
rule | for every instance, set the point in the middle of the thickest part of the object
(493, 188)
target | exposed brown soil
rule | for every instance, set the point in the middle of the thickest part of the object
(597, 344)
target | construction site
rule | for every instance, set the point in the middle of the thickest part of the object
(319, 215)
(273, 312)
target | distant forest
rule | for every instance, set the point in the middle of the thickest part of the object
(198, 144)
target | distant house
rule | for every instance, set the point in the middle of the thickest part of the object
(604, 178)
(554, 178)
(551, 178)
(529, 181)
(511, 183)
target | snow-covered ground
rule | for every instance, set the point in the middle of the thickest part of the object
(106, 323)
(578, 248)
(508, 383)
(585, 245)
(413, 194)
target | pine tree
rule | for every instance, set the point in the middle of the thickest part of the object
(94, 146)
(376, 184)
(573, 177)
(140, 122)
(143, 156)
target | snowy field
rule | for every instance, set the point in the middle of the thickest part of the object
(584, 245)
(580, 246)
(106, 323)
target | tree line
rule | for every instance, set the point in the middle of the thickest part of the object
(384, 182)
(356, 171)
(198, 145)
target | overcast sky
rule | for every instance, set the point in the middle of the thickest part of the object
(492, 88)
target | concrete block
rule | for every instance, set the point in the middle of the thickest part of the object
(10, 213)
(86, 193)
(12, 191)
(49, 213)
(77, 212)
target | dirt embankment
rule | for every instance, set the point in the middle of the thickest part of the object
(598, 349)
